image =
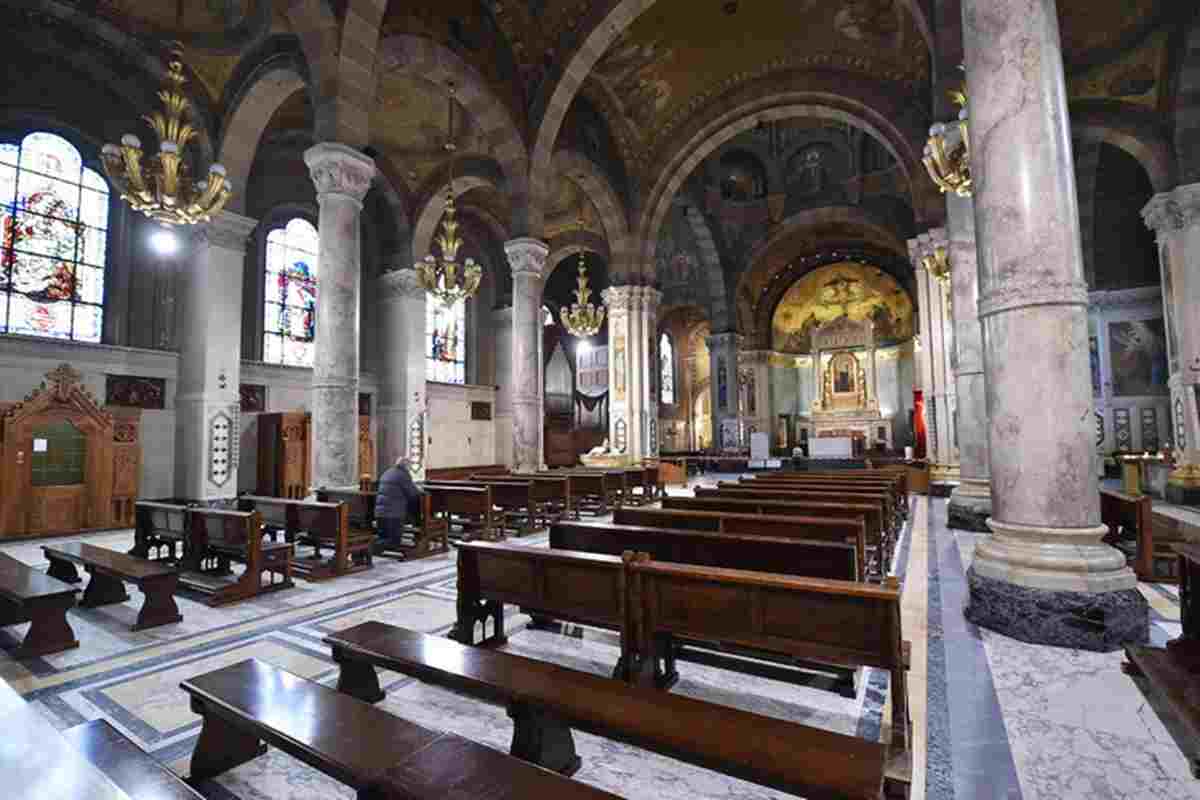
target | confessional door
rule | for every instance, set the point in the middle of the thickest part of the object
(58, 497)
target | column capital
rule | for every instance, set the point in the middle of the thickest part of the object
(527, 256)
(398, 283)
(338, 169)
(1174, 210)
(226, 230)
(620, 298)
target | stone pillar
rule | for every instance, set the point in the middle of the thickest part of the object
(937, 376)
(1175, 218)
(527, 258)
(971, 501)
(402, 354)
(1044, 576)
(342, 176)
(723, 353)
(210, 357)
(632, 369)
(502, 329)
(754, 365)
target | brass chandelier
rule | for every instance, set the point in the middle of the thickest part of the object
(937, 264)
(947, 156)
(582, 319)
(161, 187)
(441, 277)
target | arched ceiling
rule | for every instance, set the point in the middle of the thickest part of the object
(1094, 31)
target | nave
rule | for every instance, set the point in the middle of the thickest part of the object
(1024, 720)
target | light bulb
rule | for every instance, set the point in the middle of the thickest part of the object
(164, 242)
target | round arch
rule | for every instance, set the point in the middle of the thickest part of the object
(1137, 133)
(584, 173)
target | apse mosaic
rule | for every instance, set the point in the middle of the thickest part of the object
(857, 291)
(446, 341)
(54, 219)
(290, 305)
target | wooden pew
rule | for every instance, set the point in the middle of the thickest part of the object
(786, 555)
(1131, 530)
(552, 496)
(320, 525)
(110, 571)
(793, 525)
(132, 769)
(425, 538)
(216, 537)
(898, 472)
(591, 491)
(837, 622)
(897, 499)
(251, 704)
(438, 474)
(160, 530)
(468, 507)
(840, 492)
(708, 499)
(546, 701)
(29, 595)
(546, 584)
(513, 502)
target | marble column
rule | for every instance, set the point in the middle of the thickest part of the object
(643, 368)
(759, 408)
(723, 354)
(401, 299)
(502, 329)
(624, 308)
(971, 501)
(936, 372)
(342, 176)
(1175, 218)
(1044, 576)
(210, 357)
(527, 258)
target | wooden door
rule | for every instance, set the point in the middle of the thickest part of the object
(58, 474)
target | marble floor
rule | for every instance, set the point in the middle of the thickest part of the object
(993, 717)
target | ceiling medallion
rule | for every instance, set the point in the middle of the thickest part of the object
(948, 152)
(583, 319)
(441, 276)
(161, 188)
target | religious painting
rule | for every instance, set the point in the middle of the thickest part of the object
(632, 70)
(253, 398)
(847, 289)
(722, 381)
(135, 392)
(619, 366)
(1094, 354)
(1138, 357)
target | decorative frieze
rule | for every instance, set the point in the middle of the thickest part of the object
(132, 391)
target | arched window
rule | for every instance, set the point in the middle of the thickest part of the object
(290, 294)
(54, 218)
(666, 360)
(445, 341)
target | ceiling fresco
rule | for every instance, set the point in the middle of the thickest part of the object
(1137, 76)
(180, 16)
(1093, 31)
(847, 289)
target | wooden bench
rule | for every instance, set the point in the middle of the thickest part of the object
(110, 571)
(29, 595)
(468, 507)
(215, 538)
(552, 496)
(546, 584)
(718, 500)
(898, 473)
(897, 502)
(788, 525)
(132, 769)
(547, 701)
(251, 704)
(836, 622)
(425, 538)
(785, 555)
(591, 491)
(513, 500)
(794, 492)
(160, 530)
(438, 474)
(1131, 530)
(323, 526)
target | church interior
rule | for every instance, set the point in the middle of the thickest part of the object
(785, 398)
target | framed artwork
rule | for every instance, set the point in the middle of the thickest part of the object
(1094, 354)
(132, 391)
(1138, 357)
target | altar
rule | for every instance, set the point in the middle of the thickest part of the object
(847, 402)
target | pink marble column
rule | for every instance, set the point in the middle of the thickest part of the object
(1044, 576)
(342, 176)
(527, 258)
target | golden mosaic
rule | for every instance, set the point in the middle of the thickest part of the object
(848, 289)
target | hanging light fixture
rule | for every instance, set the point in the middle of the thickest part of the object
(161, 187)
(947, 156)
(937, 264)
(582, 319)
(442, 277)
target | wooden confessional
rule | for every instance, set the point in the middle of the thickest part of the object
(285, 453)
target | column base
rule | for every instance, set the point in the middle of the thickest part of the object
(1100, 621)
(970, 506)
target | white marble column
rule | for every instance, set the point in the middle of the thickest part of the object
(723, 354)
(342, 176)
(619, 302)
(1044, 576)
(644, 371)
(527, 258)
(401, 300)
(971, 500)
(502, 329)
(755, 366)
(1175, 218)
(210, 357)
(937, 375)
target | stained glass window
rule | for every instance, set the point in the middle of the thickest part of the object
(54, 219)
(290, 296)
(445, 341)
(666, 360)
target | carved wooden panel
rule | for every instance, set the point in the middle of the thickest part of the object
(58, 509)
(253, 398)
(133, 391)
